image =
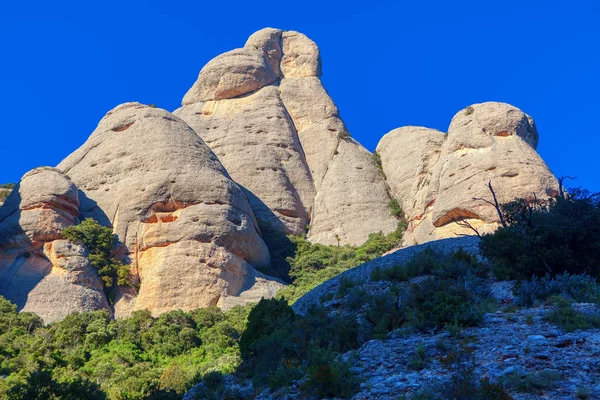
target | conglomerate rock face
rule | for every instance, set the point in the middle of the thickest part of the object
(263, 110)
(257, 142)
(39, 271)
(184, 226)
(441, 179)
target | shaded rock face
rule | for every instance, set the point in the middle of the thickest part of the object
(39, 271)
(280, 136)
(184, 226)
(441, 178)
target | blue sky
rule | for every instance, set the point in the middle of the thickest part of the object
(385, 63)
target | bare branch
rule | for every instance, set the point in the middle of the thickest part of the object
(496, 205)
(465, 224)
(561, 188)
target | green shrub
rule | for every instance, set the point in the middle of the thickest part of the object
(569, 319)
(279, 347)
(267, 318)
(433, 262)
(313, 264)
(90, 355)
(383, 314)
(100, 242)
(453, 294)
(532, 383)
(420, 359)
(329, 377)
(464, 383)
(395, 209)
(551, 237)
(577, 288)
(436, 303)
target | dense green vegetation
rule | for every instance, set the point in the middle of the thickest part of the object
(91, 356)
(7, 186)
(100, 242)
(551, 247)
(547, 237)
(454, 292)
(313, 264)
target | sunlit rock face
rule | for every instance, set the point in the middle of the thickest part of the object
(264, 112)
(440, 178)
(39, 271)
(184, 226)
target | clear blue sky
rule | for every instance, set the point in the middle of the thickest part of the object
(386, 64)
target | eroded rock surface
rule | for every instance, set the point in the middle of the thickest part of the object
(282, 138)
(185, 227)
(38, 271)
(440, 179)
(256, 141)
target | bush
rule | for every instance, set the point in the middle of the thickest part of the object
(436, 303)
(464, 384)
(313, 264)
(532, 383)
(570, 320)
(279, 347)
(395, 209)
(267, 318)
(89, 355)
(329, 377)
(433, 262)
(454, 292)
(577, 288)
(420, 359)
(100, 242)
(551, 237)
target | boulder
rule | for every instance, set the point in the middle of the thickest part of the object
(352, 196)
(353, 201)
(184, 226)
(256, 141)
(240, 71)
(488, 142)
(301, 56)
(408, 156)
(39, 271)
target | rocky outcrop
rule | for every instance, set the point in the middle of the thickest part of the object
(256, 141)
(184, 226)
(263, 110)
(440, 179)
(38, 271)
(353, 201)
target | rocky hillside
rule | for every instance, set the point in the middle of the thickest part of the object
(426, 323)
(258, 147)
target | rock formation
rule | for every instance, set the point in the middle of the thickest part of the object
(439, 179)
(38, 271)
(263, 111)
(257, 141)
(185, 227)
